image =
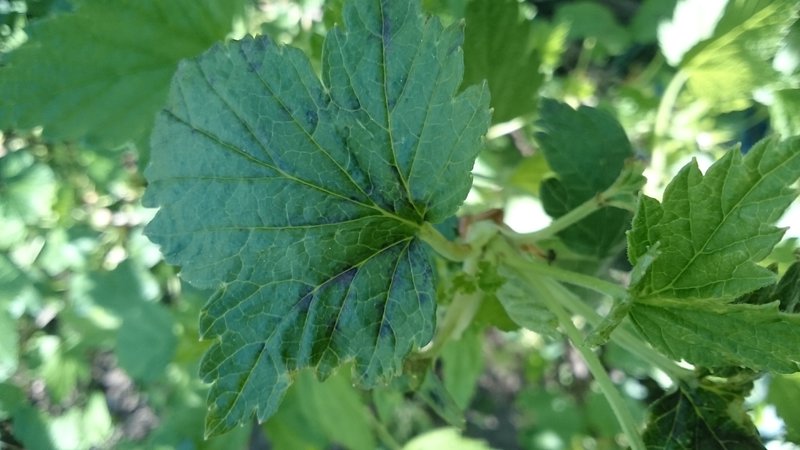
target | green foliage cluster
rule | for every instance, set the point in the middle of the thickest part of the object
(463, 224)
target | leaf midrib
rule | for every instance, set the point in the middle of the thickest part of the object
(725, 217)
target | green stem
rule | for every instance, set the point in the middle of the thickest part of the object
(658, 155)
(618, 406)
(667, 105)
(621, 194)
(625, 338)
(566, 276)
(458, 317)
(446, 248)
(621, 335)
(557, 225)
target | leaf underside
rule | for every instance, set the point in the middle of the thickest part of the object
(300, 199)
(712, 230)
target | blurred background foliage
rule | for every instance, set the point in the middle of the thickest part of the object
(98, 336)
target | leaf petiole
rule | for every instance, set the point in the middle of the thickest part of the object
(612, 395)
(621, 194)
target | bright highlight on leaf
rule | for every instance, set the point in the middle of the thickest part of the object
(300, 200)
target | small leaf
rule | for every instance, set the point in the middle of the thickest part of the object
(498, 48)
(713, 228)
(108, 65)
(300, 200)
(587, 149)
(707, 417)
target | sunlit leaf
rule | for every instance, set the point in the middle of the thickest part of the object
(303, 198)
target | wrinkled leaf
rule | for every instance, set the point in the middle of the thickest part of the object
(711, 230)
(707, 417)
(107, 66)
(714, 334)
(714, 228)
(497, 48)
(302, 199)
(587, 149)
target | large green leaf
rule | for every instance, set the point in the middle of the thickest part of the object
(498, 48)
(708, 417)
(713, 228)
(587, 149)
(300, 200)
(711, 231)
(103, 71)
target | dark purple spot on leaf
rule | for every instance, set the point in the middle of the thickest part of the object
(312, 118)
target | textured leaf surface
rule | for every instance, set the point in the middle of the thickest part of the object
(713, 334)
(587, 149)
(498, 49)
(103, 71)
(300, 200)
(711, 231)
(708, 417)
(713, 228)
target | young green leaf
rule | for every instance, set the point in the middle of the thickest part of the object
(587, 149)
(714, 228)
(708, 417)
(300, 200)
(498, 48)
(108, 65)
(711, 231)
